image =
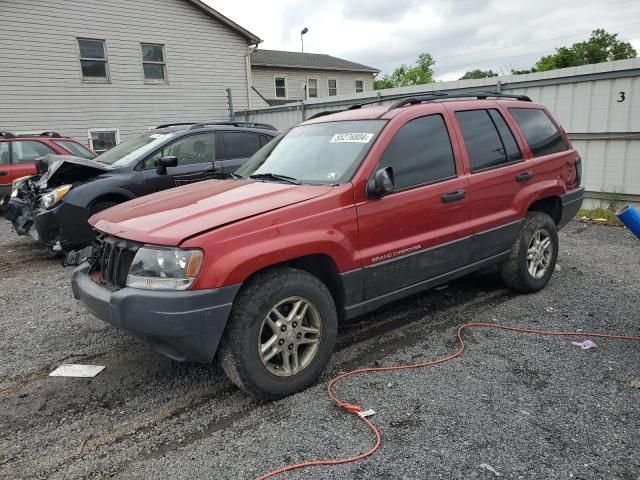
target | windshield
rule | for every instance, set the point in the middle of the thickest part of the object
(322, 153)
(133, 149)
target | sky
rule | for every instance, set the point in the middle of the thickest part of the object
(460, 34)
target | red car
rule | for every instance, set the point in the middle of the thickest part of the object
(342, 214)
(18, 154)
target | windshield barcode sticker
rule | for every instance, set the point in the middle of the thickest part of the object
(352, 138)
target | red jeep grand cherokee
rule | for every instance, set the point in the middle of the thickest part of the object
(342, 214)
(18, 154)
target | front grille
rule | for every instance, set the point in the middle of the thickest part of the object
(113, 261)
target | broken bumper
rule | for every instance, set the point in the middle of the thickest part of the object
(65, 223)
(182, 325)
(18, 212)
(571, 203)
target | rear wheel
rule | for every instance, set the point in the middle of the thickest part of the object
(280, 334)
(533, 254)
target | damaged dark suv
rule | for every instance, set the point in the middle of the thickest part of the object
(54, 207)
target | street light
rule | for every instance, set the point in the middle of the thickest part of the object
(302, 32)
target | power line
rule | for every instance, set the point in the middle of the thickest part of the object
(487, 60)
(537, 41)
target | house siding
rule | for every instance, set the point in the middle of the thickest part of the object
(263, 81)
(41, 84)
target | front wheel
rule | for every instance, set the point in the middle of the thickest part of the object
(280, 334)
(533, 254)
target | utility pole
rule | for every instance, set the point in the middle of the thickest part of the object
(232, 114)
(302, 33)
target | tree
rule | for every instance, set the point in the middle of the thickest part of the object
(418, 74)
(600, 47)
(473, 74)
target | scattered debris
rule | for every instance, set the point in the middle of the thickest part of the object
(489, 468)
(584, 345)
(600, 219)
(551, 309)
(76, 370)
(635, 383)
(558, 269)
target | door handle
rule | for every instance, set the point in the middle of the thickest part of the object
(3, 173)
(524, 176)
(453, 196)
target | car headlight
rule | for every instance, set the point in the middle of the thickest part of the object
(49, 199)
(16, 184)
(158, 268)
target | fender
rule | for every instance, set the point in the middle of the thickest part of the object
(536, 191)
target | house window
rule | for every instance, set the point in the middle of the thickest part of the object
(359, 86)
(153, 62)
(102, 139)
(93, 59)
(312, 87)
(281, 87)
(333, 87)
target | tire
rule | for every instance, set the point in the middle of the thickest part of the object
(100, 206)
(249, 329)
(516, 271)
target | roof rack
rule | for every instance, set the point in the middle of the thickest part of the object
(174, 124)
(442, 95)
(439, 95)
(51, 134)
(326, 112)
(7, 135)
(235, 124)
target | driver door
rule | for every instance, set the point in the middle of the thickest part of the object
(196, 162)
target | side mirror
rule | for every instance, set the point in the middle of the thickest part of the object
(381, 183)
(166, 162)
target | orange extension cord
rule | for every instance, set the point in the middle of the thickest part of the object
(356, 409)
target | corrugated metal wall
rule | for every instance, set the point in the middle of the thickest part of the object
(598, 105)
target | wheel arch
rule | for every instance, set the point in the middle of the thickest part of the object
(551, 205)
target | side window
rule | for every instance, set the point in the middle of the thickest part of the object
(484, 145)
(420, 153)
(506, 135)
(239, 144)
(264, 140)
(29, 150)
(5, 157)
(189, 150)
(542, 135)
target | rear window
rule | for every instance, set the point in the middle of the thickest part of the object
(75, 148)
(541, 133)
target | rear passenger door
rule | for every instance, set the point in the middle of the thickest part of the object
(418, 231)
(497, 174)
(235, 148)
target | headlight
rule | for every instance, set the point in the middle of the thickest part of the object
(157, 268)
(49, 199)
(16, 184)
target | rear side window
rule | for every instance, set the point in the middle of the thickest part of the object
(420, 153)
(238, 144)
(541, 133)
(5, 156)
(28, 151)
(488, 140)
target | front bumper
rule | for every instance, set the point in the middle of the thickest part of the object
(182, 325)
(18, 212)
(571, 203)
(65, 223)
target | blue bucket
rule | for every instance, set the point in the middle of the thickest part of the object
(630, 216)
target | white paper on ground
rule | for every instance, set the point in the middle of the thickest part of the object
(76, 370)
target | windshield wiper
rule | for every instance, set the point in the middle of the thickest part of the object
(235, 175)
(274, 176)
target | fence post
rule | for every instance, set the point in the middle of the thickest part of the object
(499, 86)
(232, 115)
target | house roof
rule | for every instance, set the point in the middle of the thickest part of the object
(314, 61)
(225, 21)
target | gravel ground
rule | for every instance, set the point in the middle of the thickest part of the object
(527, 407)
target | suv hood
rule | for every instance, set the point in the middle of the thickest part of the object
(171, 216)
